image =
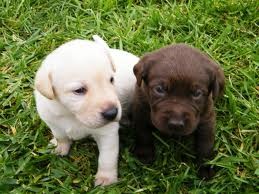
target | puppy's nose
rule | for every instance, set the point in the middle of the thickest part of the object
(110, 113)
(176, 124)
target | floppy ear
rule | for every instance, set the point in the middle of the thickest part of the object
(106, 49)
(218, 82)
(140, 71)
(43, 83)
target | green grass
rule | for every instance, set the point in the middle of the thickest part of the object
(227, 30)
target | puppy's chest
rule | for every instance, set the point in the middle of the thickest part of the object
(77, 133)
(74, 129)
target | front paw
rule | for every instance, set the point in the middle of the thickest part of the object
(62, 147)
(105, 178)
(206, 172)
(146, 154)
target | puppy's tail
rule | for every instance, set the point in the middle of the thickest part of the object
(106, 48)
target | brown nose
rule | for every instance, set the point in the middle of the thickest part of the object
(110, 113)
(176, 124)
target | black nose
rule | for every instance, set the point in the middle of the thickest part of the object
(110, 113)
(176, 124)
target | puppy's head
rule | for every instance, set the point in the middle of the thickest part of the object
(180, 82)
(80, 75)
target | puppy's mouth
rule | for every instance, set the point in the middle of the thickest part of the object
(171, 132)
(93, 124)
(172, 126)
(97, 121)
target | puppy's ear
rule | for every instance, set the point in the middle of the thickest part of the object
(140, 71)
(218, 82)
(106, 49)
(43, 83)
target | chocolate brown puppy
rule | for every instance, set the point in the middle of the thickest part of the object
(175, 93)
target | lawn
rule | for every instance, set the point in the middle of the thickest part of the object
(227, 30)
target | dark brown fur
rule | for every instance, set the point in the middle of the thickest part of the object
(175, 92)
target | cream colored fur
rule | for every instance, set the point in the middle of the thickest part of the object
(87, 64)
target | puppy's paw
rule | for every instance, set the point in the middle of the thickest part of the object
(206, 172)
(145, 154)
(104, 179)
(62, 148)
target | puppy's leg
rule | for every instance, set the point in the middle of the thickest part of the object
(108, 146)
(204, 142)
(144, 149)
(62, 146)
(60, 140)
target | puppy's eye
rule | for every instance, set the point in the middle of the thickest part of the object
(159, 90)
(112, 80)
(80, 91)
(197, 94)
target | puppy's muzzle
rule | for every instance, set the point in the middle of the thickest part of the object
(178, 121)
(110, 113)
(176, 124)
